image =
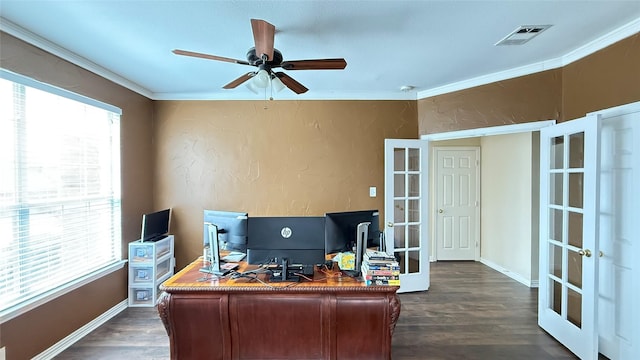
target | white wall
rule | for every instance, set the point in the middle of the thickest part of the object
(507, 205)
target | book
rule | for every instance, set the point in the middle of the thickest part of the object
(382, 282)
(368, 271)
(390, 267)
(381, 277)
(378, 255)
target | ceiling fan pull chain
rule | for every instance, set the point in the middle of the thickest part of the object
(265, 98)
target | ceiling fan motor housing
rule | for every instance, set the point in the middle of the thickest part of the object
(255, 60)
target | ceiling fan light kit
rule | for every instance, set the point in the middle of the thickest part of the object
(265, 57)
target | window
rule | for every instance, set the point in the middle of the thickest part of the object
(59, 189)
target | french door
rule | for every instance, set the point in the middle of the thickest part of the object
(406, 220)
(569, 164)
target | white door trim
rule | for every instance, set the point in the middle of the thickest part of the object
(487, 131)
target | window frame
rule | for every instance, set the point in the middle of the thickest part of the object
(111, 267)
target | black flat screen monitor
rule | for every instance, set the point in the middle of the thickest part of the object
(299, 239)
(155, 226)
(341, 228)
(232, 229)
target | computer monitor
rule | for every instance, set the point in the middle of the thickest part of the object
(155, 226)
(341, 229)
(298, 239)
(232, 229)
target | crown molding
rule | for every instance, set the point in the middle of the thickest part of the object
(48, 46)
(600, 43)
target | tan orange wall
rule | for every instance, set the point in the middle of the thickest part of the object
(607, 78)
(524, 99)
(35, 331)
(295, 158)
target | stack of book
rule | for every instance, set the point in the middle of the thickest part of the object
(380, 268)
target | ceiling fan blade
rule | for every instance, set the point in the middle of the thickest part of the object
(239, 80)
(317, 64)
(210, 57)
(289, 82)
(263, 34)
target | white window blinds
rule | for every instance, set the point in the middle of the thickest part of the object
(59, 188)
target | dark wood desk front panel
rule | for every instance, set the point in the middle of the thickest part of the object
(241, 319)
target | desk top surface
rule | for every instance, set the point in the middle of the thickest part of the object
(191, 279)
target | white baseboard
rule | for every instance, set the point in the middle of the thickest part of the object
(515, 276)
(75, 336)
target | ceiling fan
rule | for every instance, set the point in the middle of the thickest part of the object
(266, 58)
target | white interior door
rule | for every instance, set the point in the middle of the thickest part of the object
(569, 164)
(457, 203)
(618, 315)
(406, 200)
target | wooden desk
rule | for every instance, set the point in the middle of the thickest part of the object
(328, 318)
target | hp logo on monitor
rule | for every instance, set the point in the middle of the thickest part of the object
(286, 232)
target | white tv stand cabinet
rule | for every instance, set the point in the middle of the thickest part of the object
(150, 264)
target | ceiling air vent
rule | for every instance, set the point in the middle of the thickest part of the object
(522, 34)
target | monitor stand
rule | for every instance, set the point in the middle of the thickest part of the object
(216, 267)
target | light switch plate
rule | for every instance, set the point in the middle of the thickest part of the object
(372, 191)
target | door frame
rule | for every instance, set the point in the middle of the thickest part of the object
(471, 133)
(434, 214)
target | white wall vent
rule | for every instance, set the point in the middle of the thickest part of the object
(522, 34)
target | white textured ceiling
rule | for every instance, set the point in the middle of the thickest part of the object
(434, 46)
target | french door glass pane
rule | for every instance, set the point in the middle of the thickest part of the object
(399, 185)
(414, 236)
(555, 189)
(414, 261)
(398, 237)
(574, 268)
(555, 224)
(401, 260)
(575, 229)
(398, 164)
(414, 159)
(555, 260)
(399, 213)
(576, 150)
(555, 293)
(414, 185)
(574, 307)
(576, 184)
(414, 210)
(557, 152)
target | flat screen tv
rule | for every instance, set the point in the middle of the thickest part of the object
(298, 239)
(155, 226)
(232, 229)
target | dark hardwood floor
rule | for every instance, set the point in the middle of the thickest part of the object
(470, 312)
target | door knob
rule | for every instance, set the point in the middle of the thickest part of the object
(390, 224)
(440, 211)
(585, 252)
